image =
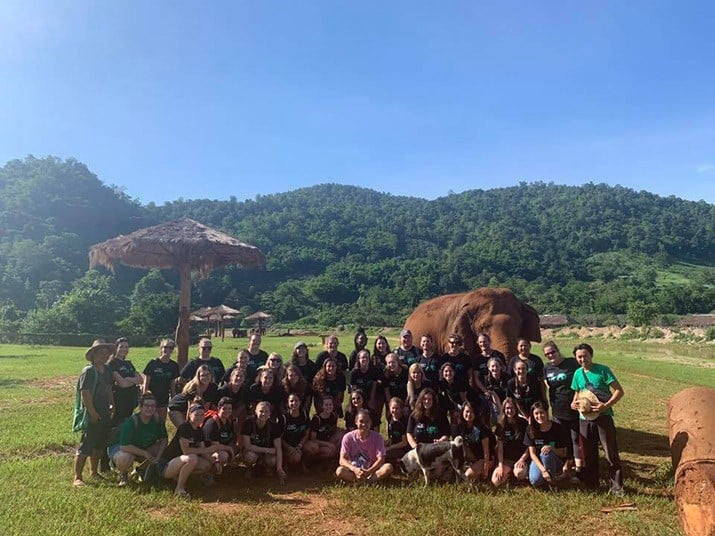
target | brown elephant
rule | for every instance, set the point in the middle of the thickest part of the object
(495, 311)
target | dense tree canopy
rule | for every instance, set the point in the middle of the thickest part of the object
(346, 255)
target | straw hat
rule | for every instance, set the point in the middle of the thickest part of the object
(586, 399)
(98, 346)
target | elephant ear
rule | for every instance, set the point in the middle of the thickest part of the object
(530, 323)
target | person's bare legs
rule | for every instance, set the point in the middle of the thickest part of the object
(179, 469)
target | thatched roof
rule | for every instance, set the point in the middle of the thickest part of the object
(698, 321)
(225, 310)
(184, 242)
(554, 321)
(258, 315)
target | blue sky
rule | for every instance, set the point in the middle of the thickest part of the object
(210, 99)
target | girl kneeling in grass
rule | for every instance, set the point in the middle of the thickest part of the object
(325, 436)
(295, 430)
(188, 452)
(512, 455)
(262, 441)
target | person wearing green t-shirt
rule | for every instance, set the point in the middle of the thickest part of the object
(142, 436)
(595, 377)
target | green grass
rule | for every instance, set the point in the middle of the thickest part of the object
(682, 273)
(36, 449)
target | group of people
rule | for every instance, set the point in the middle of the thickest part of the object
(519, 418)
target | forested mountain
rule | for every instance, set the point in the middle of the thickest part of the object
(346, 255)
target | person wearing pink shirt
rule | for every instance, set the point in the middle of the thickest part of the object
(362, 453)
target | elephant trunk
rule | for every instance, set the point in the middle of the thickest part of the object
(691, 430)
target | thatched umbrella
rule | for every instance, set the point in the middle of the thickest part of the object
(217, 314)
(184, 245)
(260, 316)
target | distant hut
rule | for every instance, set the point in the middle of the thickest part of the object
(698, 321)
(554, 321)
(261, 317)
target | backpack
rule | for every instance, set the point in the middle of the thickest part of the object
(80, 419)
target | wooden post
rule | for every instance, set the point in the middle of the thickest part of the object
(691, 427)
(182, 329)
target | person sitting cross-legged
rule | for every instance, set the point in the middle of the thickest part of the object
(142, 436)
(362, 453)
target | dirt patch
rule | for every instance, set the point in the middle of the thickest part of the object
(61, 383)
(317, 514)
(162, 514)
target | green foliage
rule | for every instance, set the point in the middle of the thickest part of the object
(641, 314)
(346, 255)
(91, 306)
(153, 308)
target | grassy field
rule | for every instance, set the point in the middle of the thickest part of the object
(36, 449)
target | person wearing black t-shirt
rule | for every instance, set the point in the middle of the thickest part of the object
(512, 456)
(428, 360)
(360, 341)
(452, 391)
(478, 439)
(220, 433)
(486, 352)
(458, 357)
(427, 424)
(366, 378)
(241, 363)
(295, 430)
(558, 374)
(294, 382)
(396, 445)
(160, 375)
(126, 382)
(395, 379)
(329, 382)
(256, 357)
(524, 389)
(202, 387)
(495, 386)
(325, 436)
(266, 389)
(357, 403)
(188, 452)
(406, 351)
(262, 441)
(301, 360)
(236, 390)
(549, 446)
(205, 358)
(331, 351)
(534, 364)
(380, 351)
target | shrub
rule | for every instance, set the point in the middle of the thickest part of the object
(710, 334)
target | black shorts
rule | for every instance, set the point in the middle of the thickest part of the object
(95, 437)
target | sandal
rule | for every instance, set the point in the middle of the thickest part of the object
(182, 494)
(78, 483)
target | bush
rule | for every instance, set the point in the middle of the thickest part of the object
(710, 334)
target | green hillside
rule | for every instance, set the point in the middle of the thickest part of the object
(347, 255)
